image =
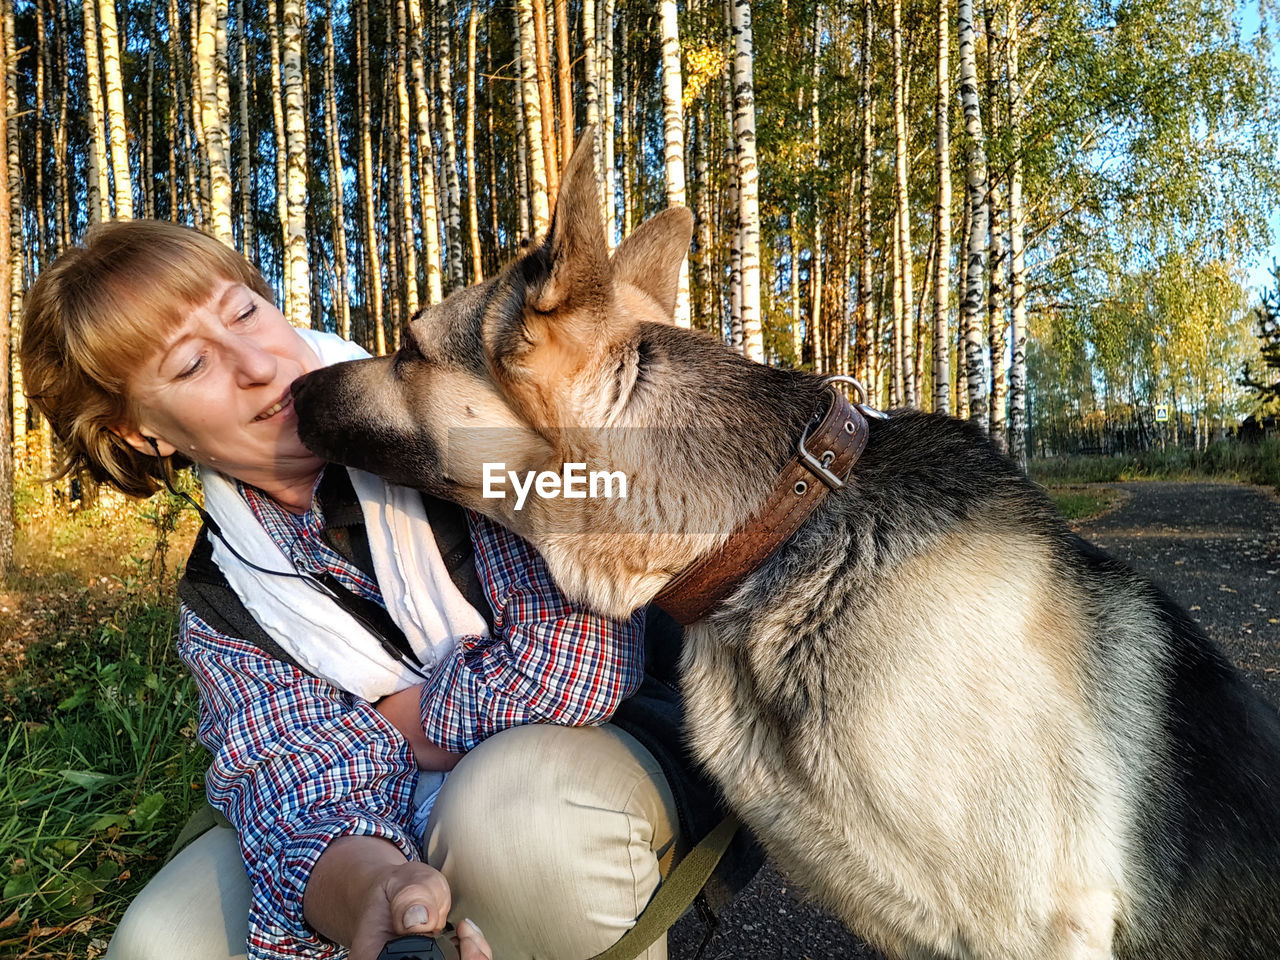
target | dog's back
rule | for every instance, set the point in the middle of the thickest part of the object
(1020, 748)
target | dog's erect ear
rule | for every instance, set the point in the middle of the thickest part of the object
(650, 258)
(579, 278)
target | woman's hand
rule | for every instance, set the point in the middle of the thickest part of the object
(404, 711)
(362, 893)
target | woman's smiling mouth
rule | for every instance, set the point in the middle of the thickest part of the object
(285, 402)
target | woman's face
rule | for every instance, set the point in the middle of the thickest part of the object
(217, 391)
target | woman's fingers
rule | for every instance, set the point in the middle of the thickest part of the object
(419, 899)
(471, 942)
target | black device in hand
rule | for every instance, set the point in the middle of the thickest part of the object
(411, 948)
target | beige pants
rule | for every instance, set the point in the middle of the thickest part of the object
(551, 838)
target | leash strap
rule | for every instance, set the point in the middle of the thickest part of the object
(676, 893)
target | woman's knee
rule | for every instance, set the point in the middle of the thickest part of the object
(196, 907)
(552, 838)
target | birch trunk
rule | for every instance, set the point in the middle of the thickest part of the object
(996, 328)
(533, 119)
(119, 134)
(732, 227)
(628, 111)
(211, 66)
(591, 93)
(7, 386)
(99, 187)
(449, 141)
(200, 145)
(341, 294)
(42, 53)
(942, 220)
(404, 185)
(299, 283)
(282, 155)
(248, 230)
(427, 186)
(897, 366)
(13, 245)
(744, 122)
(473, 211)
(673, 135)
(867, 323)
(61, 189)
(903, 201)
(1018, 270)
(375, 337)
(546, 99)
(816, 326)
(564, 72)
(976, 187)
(604, 64)
(524, 176)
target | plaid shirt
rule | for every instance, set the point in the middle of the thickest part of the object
(298, 762)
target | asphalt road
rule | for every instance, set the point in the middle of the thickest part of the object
(1215, 548)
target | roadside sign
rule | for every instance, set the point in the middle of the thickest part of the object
(1162, 413)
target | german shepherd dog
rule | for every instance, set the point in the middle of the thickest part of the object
(968, 733)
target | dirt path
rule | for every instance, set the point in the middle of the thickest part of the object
(1213, 547)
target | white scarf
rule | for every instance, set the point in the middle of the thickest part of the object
(318, 633)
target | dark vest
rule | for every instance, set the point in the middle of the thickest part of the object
(654, 715)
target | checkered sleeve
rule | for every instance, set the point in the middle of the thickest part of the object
(296, 764)
(548, 660)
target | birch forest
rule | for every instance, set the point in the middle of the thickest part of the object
(1031, 213)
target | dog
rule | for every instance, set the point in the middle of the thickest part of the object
(964, 730)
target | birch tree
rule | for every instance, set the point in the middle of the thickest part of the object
(248, 230)
(449, 143)
(473, 212)
(942, 219)
(744, 123)
(904, 338)
(1017, 254)
(427, 186)
(337, 181)
(866, 308)
(99, 187)
(533, 120)
(214, 102)
(976, 187)
(404, 184)
(7, 386)
(673, 135)
(299, 275)
(118, 131)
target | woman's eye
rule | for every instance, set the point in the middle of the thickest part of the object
(192, 368)
(247, 313)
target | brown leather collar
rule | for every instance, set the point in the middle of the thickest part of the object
(824, 458)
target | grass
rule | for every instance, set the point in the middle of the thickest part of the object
(1080, 503)
(1223, 460)
(99, 766)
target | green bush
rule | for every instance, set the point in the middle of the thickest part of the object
(1224, 459)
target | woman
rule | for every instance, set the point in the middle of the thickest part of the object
(332, 708)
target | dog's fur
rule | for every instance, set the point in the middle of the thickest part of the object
(967, 732)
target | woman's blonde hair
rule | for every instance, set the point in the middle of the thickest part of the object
(98, 312)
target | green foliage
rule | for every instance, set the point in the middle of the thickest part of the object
(1080, 503)
(1224, 460)
(99, 766)
(1266, 392)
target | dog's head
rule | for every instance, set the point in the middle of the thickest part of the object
(511, 364)
(566, 356)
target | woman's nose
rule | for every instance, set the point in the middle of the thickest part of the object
(254, 365)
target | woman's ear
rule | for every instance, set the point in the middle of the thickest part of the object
(143, 443)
